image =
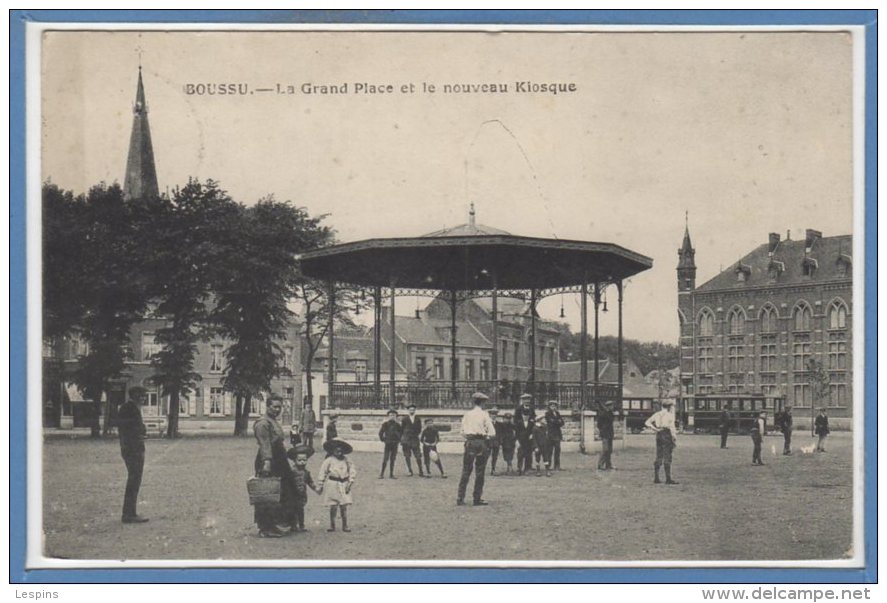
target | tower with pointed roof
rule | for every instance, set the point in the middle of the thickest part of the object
(141, 173)
(686, 261)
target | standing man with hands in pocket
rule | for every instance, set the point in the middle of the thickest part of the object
(477, 428)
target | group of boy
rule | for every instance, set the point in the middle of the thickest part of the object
(410, 436)
(535, 440)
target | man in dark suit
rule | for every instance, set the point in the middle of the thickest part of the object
(821, 429)
(724, 423)
(131, 430)
(409, 439)
(605, 419)
(524, 419)
(555, 423)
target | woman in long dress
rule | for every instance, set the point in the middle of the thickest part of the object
(271, 461)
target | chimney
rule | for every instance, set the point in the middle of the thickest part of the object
(811, 237)
(788, 235)
(774, 242)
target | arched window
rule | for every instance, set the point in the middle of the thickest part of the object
(706, 324)
(837, 316)
(802, 318)
(768, 320)
(736, 321)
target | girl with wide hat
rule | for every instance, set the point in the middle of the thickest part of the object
(336, 478)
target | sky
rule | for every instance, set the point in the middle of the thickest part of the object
(745, 133)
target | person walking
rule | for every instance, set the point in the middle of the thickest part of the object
(555, 423)
(724, 423)
(820, 427)
(272, 461)
(663, 424)
(477, 427)
(308, 424)
(758, 429)
(131, 431)
(605, 420)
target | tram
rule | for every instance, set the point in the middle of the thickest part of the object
(703, 413)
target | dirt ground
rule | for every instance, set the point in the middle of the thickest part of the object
(796, 507)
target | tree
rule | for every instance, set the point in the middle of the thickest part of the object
(253, 287)
(63, 299)
(313, 297)
(111, 277)
(820, 383)
(646, 355)
(190, 229)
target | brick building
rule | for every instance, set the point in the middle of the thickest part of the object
(755, 327)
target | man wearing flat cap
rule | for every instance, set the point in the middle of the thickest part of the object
(666, 439)
(477, 428)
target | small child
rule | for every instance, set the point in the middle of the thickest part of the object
(302, 481)
(331, 431)
(430, 438)
(390, 434)
(336, 479)
(541, 449)
(507, 440)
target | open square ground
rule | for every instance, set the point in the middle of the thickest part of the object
(193, 491)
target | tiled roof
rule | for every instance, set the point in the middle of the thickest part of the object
(506, 305)
(432, 331)
(788, 257)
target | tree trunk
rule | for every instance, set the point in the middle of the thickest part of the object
(57, 383)
(238, 406)
(244, 416)
(309, 391)
(95, 429)
(172, 424)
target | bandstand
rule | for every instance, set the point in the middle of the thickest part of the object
(473, 261)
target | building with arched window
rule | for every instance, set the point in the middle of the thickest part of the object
(770, 323)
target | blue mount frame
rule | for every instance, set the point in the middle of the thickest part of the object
(18, 304)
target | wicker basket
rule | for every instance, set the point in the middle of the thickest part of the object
(263, 490)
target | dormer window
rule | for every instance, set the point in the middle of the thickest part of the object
(774, 269)
(809, 266)
(845, 265)
(743, 272)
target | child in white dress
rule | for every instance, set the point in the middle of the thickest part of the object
(335, 479)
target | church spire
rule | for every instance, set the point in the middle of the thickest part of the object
(686, 260)
(141, 174)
